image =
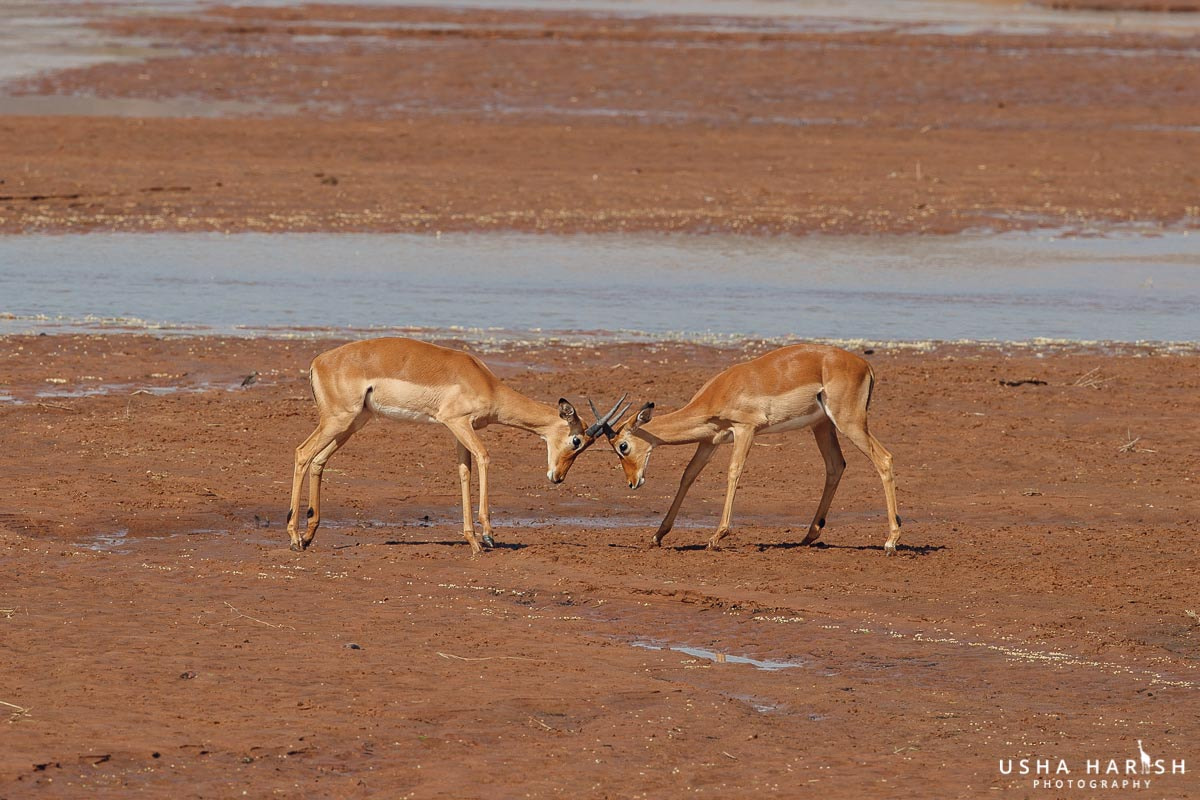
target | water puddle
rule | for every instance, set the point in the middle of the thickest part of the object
(113, 389)
(111, 542)
(1119, 287)
(763, 706)
(720, 657)
(92, 106)
(34, 39)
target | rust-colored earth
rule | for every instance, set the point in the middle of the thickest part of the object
(159, 636)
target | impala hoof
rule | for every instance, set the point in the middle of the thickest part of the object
(297, 547)
(488, 542)
(889, 549)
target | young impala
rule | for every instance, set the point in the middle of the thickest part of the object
(801, 386)
(404, 379)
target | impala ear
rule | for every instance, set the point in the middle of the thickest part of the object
(567, 412)
(643, 416)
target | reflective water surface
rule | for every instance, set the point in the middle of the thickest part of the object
(1004, 287)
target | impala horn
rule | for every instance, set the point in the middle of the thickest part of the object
(604, 424)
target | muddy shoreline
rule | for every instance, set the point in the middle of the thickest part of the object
(379, 119)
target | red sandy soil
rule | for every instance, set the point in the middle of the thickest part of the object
(159, 637)
(377, 119)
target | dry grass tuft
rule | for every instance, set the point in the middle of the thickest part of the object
(1131, 446)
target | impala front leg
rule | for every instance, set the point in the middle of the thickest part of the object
(464, 477)
(743, 438)
(703, 454)
(469, 440)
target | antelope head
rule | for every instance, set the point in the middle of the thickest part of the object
(565, 442)
(633, 450)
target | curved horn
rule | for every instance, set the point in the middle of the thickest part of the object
(616, 419)
(608, 417)
(604, 423)
(596, 426)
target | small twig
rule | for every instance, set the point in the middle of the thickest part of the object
(538, 721)
(8, 612)
(728, 755)
(58, 406)
(486, 658)
(256, 619)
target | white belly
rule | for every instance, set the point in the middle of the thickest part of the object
(793, 410)
(404, 401)
(795, 423)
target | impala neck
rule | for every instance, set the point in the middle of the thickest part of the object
(518, 411)
(679, 427)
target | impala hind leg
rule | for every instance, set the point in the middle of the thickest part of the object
(326, 433)
(316, 471)
(882, 460)
(831, 451)
(743, 438)
(703, 454)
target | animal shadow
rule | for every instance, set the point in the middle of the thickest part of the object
(454, 543)
(908, 549)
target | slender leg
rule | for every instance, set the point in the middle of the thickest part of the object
(835, 465)
(462, 430)
(882, 460)
(317, 441)
(316, 471)
(743, 438)
(703, 454)
(464, 477)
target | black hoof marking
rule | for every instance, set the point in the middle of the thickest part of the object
(821, 523)
(310, 513)
(289, 519)
(898, 523)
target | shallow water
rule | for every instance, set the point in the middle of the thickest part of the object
(482, 287)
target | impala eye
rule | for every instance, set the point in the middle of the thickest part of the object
(576, 442)
(624, 448)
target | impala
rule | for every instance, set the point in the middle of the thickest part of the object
(801, 386)
(404, 379)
